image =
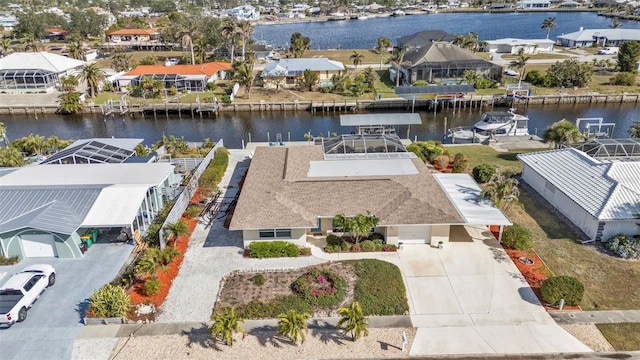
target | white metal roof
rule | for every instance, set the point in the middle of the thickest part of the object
(293, 66)
(606, 190)
(464, 192)
(120, 202)
(610, 34)
(380, 119)
(368, 167)
(88, 174)
(519, 42)
(39, 61)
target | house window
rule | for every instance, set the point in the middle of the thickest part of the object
(275, 234)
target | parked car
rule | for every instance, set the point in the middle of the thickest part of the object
(511, 72)
(608, 51)
(22, 290)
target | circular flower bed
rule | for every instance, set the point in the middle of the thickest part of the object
(321, 287)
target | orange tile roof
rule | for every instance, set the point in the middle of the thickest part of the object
(208, 69)
(55, 30)
(134, 32)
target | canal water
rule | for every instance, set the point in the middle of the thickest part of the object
(261, 126)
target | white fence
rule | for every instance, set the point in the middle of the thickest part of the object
(182, 201)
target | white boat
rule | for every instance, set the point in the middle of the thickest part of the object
(398, 13)
(363, 16)
(493, 123)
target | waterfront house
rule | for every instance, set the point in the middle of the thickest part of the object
(424, 38)
(601, 37)
(534, 4)
(244, 12)
(55, 34)
(442, 60)
(291, 70)
(569, 5)
(134, 37)
(182, 77)
(513, 46)
(291, 192)
(35, 71)
(600, 196)
(8, 21)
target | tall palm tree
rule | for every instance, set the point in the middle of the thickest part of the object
(245, 28)
(382, 45)
(356, 58)
(502, 190)
(31, 42)
(225, 323)
(353, 321)
(243, 74)
(634, 130)
(187, 42)
(548, 24)
(177, 229)
(93, 76)
(229, 32)
(520, 63)
(560, 133)
(293, 325)
(200, 50)
(69, 83)
(5, 45)
(397, 61)
(75, 49)
(121, 61)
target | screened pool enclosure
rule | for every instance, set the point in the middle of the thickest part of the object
(27, 79)
(180, 82)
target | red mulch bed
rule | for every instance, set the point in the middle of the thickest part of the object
(166, 275)
(534, 274)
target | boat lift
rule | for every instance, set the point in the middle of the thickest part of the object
(595, 128)
(380, 124)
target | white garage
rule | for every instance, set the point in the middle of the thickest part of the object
(414, 234)
(38, 245)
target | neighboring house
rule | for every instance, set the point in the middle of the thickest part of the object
(534, 4)
(8, 21)
(182, 77)
(424, 38)
(513, 46)
(264, 51)
(56, 34)
(441, 60)
(292, 70)
(35, 71)
(569, 5)
(45, 209)
(602, 37)
(244, 12)
(600, 197)
(134, 37)
(292, 192)
(500, 6)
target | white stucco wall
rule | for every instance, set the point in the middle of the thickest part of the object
(440, 233)
(613, 228)
(298, 237)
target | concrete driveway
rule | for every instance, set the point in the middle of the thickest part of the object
(469, 298)
(55, 320)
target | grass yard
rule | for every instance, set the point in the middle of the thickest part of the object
(539, 56)
(623, 336)
(478, 154)
(136, 56)
(344, 56)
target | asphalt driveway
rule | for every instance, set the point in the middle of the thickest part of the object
(55, 319)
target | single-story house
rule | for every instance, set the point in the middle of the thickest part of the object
(35, 71)
(291, 192)
(292, 69)
(513, 46)
(134, 36)
(45, 209)
(600, 197)
(534, 4)
(569, 5)
(56, 34)
(182, 77)
(98, 151)
(602, 37)
(443, 60)
(424, 38)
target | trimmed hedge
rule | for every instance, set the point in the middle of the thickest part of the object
(483, 173)
(380, 289)
(562, 287)
(517, 237)
(269, 310)
(212, 175)
(273, 249)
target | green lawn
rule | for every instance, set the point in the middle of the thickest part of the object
(479, 154)
(623, 336)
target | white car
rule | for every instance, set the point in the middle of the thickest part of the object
(608, 51)
(19, 293)
(511, 72)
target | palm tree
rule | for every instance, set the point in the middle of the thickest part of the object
(5, 45)
(229, 32)
(357, 226)
(177, 229)
(560, 133)
(94, 76)
(293, 325)
(187, 42)
(397, 61)
(69, 83)
(502, 190)
(243, 74)
(54, 143)
(548, 24)
(634, 130)
(356, 58)
(353, 321)
(615, 24)
(520, 63)
(299, 44)
(31, 42)
(75, 49)
(226, 322)
(200, 50)
(121, 61)
(245, 28)
(382, 46)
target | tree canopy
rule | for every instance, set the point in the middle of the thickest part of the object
(628, 55)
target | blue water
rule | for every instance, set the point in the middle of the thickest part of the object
(362, 34)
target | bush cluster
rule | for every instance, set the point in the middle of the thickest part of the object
(624, 246)
(12, 260)
(280, 305)
(212, 175)
(562, 287)
(624, 78)
(320, 287)
(152, 286)
(110, 301)
(517, 237)
(374, 242)
(192, 211)
(380, 289)
(426, 150)
(258, 279)
(459, 163)
(273, 249)
(483, 173)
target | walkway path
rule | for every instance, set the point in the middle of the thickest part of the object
(596, 317)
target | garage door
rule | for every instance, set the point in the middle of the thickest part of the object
(414, 234)
(40, 245)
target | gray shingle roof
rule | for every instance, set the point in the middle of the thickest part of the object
(424, 37)
(438, 52)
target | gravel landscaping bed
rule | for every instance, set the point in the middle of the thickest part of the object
(590, 336)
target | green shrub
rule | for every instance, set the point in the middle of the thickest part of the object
(273, 249)
(414, 148)
(368, 246)
(110, 301)
(211, 86)
(173, 91)
(258, 279)
(226, 99)
(152, 286)
(167, 255)
(517, 237)
(12, 260)
(280, 305)
(333, 240)
(380, 289)
(483, 173)
(624, 246)
(345, 245)
(562, 287)
(212, 175)
(376, 236)
(320, 287)
(332, 248)
(356, 247)
(624, 78)
(192, 211)
(459, 163)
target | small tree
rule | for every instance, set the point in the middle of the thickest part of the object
(69, 103)
(442, 161)
(357, 226)
(353, 321)
(560, 133)
(177, 229)
(110, 301)
(309, 79)
(226, 322)
(356, 58)
(459, 163)
(517, 237)
(293, 325)
(628, 55)
(562, 287)
(502, 190)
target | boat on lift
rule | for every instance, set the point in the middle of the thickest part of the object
(493, 123)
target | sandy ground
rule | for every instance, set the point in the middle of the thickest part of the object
(320, 344)
(590, 336)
